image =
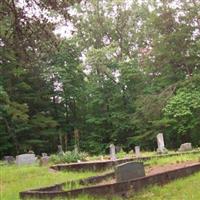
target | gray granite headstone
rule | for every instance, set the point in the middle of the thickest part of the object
(112, 152)
(129, 171)
(44, 160)
(185, 147)
(9, 159)
(137, 151)
(26, 159)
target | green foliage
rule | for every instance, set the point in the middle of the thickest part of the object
(184, 103)
(128, 71)
(68, 157)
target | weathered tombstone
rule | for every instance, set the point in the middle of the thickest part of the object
(137, 151)
(44, 160)
(44, 154)
(26, 159)
(112, 152)
(185, 147)
(117, 149)
(60, 151)
(75, 149)
(31, 152)
(9, 159)
(161, 145)
(129, 171)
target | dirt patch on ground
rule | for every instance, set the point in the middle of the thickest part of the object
(162, 168)
(156, 169)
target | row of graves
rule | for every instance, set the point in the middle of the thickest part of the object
(125, 176)
(30, 157)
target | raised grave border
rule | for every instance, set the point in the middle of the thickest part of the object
(121, 188)
(102, 165)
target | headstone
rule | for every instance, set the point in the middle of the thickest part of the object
(161, 145)
(129, 171)
(185, 147)
(137, 151)
(112, 152)
(75, 149)
(31, 152)
(118, 149)
(44, 160)
(26, 159)
(9, 159)
(60, 151)
(44, 154)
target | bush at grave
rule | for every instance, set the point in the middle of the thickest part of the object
(68, 157)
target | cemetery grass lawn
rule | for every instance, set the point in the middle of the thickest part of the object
(187, 188)
(14, 179)
(174, 159)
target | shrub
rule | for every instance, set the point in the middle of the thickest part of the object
(68, 157)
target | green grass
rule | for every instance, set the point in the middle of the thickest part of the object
(15, 179)
(183, 189)
(173, 159)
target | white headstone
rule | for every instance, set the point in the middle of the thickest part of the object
(137, 151)
(26, 159)
(161, 144)
(112, 152)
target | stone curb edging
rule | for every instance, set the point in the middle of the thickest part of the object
(116, 188)
(102, 165)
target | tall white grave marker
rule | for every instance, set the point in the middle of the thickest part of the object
(112, 152)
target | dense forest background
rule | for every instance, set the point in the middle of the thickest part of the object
(125, 71)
